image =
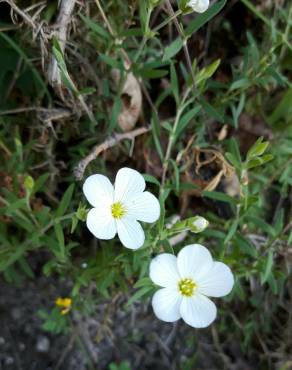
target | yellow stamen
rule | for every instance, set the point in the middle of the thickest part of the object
(187, 287)
(65, 310)
(118, 210)
(64, 303)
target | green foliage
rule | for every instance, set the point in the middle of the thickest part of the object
(187, 106)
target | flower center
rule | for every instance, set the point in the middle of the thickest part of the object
(187, 287)
(118, 210)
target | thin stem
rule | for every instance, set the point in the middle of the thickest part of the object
(57, 219)
(167, 20)
(157, 28)
(111, 30)
(185, 46)
(106, 21)
(172, 137)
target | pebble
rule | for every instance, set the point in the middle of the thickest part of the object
(16, 313)
(43, 344)
(9, 361)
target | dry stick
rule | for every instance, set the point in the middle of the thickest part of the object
(66, 351)
(109, 143)
(54, 74)
(23, 14)
(61, 25)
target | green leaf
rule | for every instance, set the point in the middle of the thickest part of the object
(97, 29)
(176, 174)
(171, 50)
(115, 114)
(245, 246)
(283, 109)
(258, 148)
(152, 73)
(87, 91)
(146, 281)
(174, 83)
(235, 152)
(26, 267)
(40, 182)
(205, 17)
(231, 232)
(237, 110)
(114, 63)
(140, 293)
(207, 72)
(212, 111)
(259, 161)
(239, 84)
(151, 179)
(262, 225)
(268, 267)
(185, 120)
(219, 196)
(60, 237)
(65, 201)
(58, 54)
(155, 130)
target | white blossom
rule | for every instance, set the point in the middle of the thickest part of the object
(118, 208)
(199, 6)
(187, 281)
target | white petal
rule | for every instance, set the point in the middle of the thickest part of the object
(98, 190)
(127, 184)
(194, 261)
(199, 6)
(143, 207)
(166, 304)
(163, 270)
(101, 223)
(130, 233)
(198, 311)
(218, 282)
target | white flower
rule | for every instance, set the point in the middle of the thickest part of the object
(187, 281)
(199, 6)
(117, 208)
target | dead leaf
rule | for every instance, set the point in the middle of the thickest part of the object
(223, 133)
(131, 99)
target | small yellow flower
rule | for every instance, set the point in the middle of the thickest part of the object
(64, 303)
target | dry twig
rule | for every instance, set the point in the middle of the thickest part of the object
(65, 11)
(109, 143)
(26, 17)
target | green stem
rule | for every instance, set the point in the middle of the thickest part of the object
(167, 20)
(171, 140)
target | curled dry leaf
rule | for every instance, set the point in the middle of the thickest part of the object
(212, 155)
(131, 99)
(206, 168)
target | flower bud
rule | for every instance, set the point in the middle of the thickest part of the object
(199, 6)
(28, 184)
(198, 224)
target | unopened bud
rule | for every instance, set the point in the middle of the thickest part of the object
(198, 224)
(199, 6)
(29, 184)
